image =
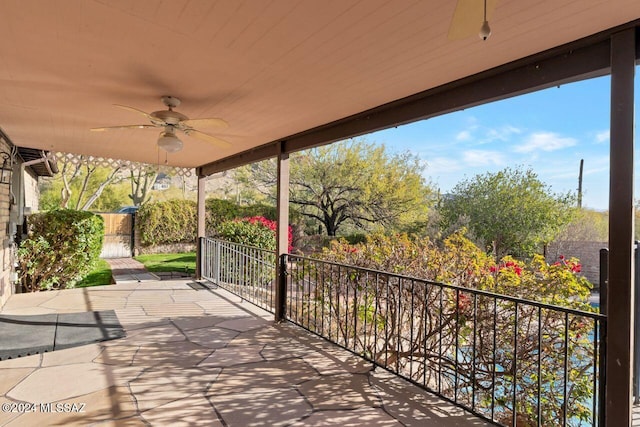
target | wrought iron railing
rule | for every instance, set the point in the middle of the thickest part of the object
(508, 360)
(246, 271)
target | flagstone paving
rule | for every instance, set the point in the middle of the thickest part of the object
(201, 357)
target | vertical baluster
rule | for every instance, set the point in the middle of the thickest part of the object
(330, 300)
(515, 367)
(426, 331)
(338, 286)
(539, 403)
(355, 314)
(399, 324)
(324, 295)
(440, 324)
(475, 343)
(594, 390)
(457, 308)
(566, 368)
(317, 298)
(495, 350)
(376, 295)
(346, 308)
(366, 313)
(411, 333)
(386, 326)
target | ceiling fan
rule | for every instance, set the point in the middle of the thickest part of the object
(172, 121)
(472, 17)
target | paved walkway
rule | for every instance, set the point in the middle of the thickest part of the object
(196, 356)
(126, 270)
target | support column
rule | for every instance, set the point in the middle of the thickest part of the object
(282, 235)
(620, 292)
(201, 231)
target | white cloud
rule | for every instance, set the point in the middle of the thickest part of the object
(545, 141)
(482, 158)
(442, 164)
(464, 135)
(602, 136)
(503, 133)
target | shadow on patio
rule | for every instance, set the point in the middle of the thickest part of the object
(202, 357)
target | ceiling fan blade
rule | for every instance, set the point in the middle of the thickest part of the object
(468, 17)
(206, 137)
(211, 123)
(122, 127)
(135, 110)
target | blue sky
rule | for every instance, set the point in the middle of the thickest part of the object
(548, 131)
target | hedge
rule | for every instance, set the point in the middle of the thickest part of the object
(61, 247)
(175, 221)
(171, 221)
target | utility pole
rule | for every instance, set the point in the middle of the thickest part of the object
(580, 184)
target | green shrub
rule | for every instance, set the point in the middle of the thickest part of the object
(219, 211)
(171, 221)
(355, 238)
(259, 209)
(62, 246)
(175, 221)
(248, 233)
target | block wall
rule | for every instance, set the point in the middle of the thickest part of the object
(587, 252)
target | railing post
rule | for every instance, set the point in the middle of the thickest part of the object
(620, 296)
(200, 257)
(282, 232)
(603, 278)
(281, 289)
(636, 328)
(201, 224)
(602, 335)
(216, 261)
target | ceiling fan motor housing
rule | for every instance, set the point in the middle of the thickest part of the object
(169, 117)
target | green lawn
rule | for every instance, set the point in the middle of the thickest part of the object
(101, 275)
(158, 263)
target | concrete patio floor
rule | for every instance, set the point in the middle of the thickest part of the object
(195, 356)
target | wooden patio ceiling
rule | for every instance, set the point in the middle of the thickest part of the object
(270, 69)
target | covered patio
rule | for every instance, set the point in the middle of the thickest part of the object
(198, 355)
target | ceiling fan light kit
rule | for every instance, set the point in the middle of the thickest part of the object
(169, 142)
(171, 121)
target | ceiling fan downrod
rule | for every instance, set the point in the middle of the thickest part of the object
(485, 30)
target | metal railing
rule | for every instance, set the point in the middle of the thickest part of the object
(508, 360)
(246, 271)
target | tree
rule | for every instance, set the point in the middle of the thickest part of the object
(142, 179)
(587, 225)
(510, 212)
(80, 185)
(351, 183)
